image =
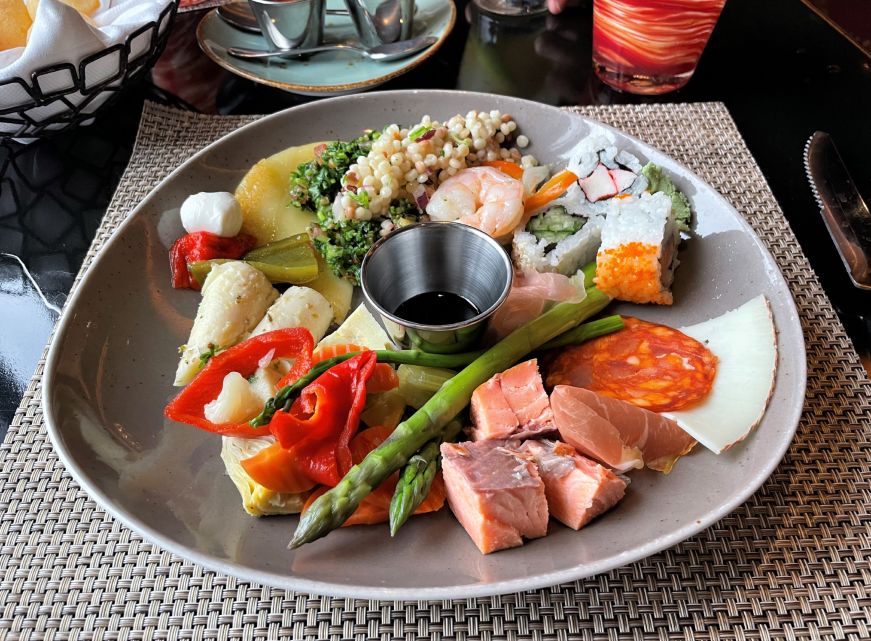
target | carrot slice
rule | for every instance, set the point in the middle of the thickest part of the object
(323, 353)
(375, 508)
(367, 440)
(551, 190)
(506, 167)
(384, 377)
(275, 468)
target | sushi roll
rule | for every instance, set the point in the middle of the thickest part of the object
(555, 245)
(638, 254)
(587, 154)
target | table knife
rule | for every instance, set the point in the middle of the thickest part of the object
(844, 212)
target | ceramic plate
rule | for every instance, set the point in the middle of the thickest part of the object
(330, 73)
(110, 369)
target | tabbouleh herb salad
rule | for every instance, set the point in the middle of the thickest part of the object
(362, 189)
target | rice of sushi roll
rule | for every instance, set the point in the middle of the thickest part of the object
(587, 154)
(563, 252)
(638, 254)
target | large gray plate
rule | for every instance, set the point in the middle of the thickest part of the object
(110, 368)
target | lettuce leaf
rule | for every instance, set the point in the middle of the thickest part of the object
(680, 204)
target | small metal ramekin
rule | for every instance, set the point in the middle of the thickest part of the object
(430, 257)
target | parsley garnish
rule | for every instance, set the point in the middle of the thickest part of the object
(206, 356)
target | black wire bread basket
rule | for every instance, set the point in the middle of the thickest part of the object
(64, 95)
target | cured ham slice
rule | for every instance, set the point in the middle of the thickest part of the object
(579, 425)
(529, 294)
(512, 404)
(577, 488)
(495, 492)
(616, 433)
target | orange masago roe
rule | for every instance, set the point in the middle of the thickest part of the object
(631, 272)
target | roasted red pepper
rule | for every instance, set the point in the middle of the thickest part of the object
(203, 245)
(187, 407)
(322, 421)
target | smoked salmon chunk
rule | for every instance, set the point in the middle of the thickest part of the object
(495, 492)
(617, 433)
(512, 404)
(577, 488)
(491, 413)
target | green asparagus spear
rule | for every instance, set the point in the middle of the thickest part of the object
(589, 271)
(416, 478)
(587, 331)
(334, 507)
(286, 395)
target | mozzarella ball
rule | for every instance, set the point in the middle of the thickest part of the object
(215, 212)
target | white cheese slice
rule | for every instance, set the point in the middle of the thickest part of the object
(745, 344)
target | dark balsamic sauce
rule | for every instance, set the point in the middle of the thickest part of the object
(436, 308)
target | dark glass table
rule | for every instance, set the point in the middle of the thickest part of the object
(782, 71)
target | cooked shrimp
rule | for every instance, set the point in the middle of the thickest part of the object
(482, 197)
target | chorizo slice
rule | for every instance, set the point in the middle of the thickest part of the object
(651, 366)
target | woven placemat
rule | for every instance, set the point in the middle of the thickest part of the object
(791, 563)
(200, 5)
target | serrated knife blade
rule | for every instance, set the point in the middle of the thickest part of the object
(844, 212)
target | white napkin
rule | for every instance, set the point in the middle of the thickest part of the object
(61, 34)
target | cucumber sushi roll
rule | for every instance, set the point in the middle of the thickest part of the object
(556, 241)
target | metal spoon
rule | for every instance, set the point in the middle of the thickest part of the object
(381, 53)
(388, 21)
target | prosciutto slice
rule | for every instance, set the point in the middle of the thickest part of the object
(616, 433)
(530, 293)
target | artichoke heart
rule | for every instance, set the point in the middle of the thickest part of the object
(256, 499)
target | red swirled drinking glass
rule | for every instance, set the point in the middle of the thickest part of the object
(651, 46)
